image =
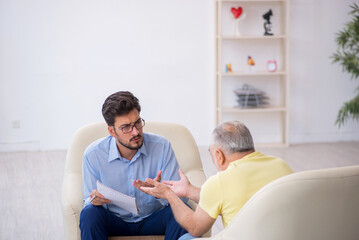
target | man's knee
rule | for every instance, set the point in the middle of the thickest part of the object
(92, 215)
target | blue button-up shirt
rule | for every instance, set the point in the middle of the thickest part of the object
(102, 161)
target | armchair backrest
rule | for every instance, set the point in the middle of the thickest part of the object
(80, 141)
(184, 146)
(319, 204)
(182, 142)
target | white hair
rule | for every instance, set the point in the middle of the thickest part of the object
(232, 137)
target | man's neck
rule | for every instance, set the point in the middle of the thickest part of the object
(125, 152)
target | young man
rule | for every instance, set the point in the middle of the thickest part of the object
(126, 155)
(242, 172)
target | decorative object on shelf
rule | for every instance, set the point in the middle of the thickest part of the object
(238, 16)
(267, 23)
(250, 64)
(228, 68)
(250, 97)
(251, 61)
(272, 65)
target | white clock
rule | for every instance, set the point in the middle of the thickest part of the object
(272, 65)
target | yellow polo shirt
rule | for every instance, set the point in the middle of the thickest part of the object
(226, 192)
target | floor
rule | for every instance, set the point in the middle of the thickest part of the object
(30, 184)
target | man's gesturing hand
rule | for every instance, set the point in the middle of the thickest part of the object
(139, 183)
(156, 189)
(180, 187)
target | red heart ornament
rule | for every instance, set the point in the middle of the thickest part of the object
(236, 12)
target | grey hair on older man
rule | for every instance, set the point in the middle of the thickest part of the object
(232, 137)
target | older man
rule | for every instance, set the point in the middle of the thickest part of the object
(242, 172)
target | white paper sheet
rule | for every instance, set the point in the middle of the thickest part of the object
(119, 199)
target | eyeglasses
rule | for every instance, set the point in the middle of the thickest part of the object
(127, 128)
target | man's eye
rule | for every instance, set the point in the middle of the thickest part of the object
(126, 127)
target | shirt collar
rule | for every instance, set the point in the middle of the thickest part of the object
(115, 154)
(143, 149)
(244, 159)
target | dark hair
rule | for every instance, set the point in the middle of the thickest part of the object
(119, 104)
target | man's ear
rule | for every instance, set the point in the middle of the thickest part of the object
(111, 130)
(220, 158)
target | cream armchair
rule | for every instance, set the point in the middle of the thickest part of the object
(319, 204)
(182, 142)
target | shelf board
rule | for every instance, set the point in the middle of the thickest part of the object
(255, 74)
(250, 37)
(252, 110)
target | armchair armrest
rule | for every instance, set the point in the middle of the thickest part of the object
(72, 204)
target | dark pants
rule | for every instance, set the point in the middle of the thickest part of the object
(98, 223)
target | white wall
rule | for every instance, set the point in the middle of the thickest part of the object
(60, 59)
(318, 87)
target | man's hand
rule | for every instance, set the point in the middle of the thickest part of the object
(138, 183)
(158, 177)
(180, 187)
(156, 189)
(195, 222)
(97, 198)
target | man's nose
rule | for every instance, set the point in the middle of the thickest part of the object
(134, 131)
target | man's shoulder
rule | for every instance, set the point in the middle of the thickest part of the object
(155, 138)
(266, 156)
(273, 159)
(212, 181)
(254, 158)
(261, 161)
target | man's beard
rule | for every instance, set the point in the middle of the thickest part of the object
(131, 147)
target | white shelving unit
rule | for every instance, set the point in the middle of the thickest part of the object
(269, 125)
